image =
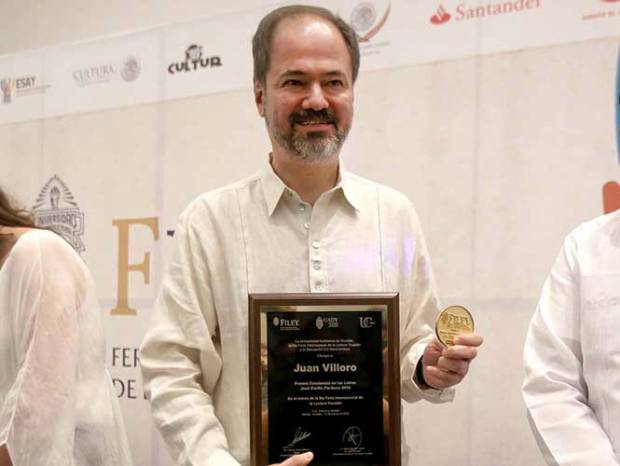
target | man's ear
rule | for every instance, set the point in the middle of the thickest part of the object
(259, 97)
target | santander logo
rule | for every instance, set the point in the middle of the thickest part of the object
(464, 11)
(441, 17)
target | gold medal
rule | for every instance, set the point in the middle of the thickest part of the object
(452, 321)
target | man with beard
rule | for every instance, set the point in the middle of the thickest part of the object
(303, 224)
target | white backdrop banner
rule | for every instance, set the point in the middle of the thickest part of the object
(212, 55)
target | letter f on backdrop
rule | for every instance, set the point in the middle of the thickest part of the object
(124, 267)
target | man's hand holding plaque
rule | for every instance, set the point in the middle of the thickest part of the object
(446, 359)
(297, 460)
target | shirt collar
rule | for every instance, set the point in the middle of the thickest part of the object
(350, 189)
(274, 188)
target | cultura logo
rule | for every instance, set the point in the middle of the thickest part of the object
(441, 17)
(194, 60)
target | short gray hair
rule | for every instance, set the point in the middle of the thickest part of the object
(261, 42)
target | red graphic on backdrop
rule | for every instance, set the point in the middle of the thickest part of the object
(611, 197)
(610, 1)
(441, 17)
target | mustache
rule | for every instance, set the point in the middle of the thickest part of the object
(326, 115)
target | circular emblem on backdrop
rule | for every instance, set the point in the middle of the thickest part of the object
(363, 17)
(276, 321)
(130, 69)
(56, 209)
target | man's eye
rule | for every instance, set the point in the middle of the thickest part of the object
(335, 83)
(291, 82)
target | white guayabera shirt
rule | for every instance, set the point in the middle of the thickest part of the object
(57, 403)
(572, 351)
(258, 236)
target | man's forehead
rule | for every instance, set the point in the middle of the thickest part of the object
(304, 24)
(303, 37)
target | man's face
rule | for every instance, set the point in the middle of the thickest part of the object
(307, 99)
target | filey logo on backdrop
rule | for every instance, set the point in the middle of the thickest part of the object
(366, 21)
(465, 11)
(56, 209)
(611, 189)
(195, 60)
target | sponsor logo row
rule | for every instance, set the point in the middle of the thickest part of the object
(320, 322)
(367, 18)
(127, 70)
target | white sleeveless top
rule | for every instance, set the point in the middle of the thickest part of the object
(57, 402)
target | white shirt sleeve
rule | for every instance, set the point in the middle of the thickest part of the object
(181, 359)
(554, 390)
(55, 361)
(416, 333)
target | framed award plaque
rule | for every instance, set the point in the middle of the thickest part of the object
(324, 377)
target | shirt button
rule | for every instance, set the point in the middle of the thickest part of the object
(316, 265)
(307, 226)
(302, 207)
(315, 244)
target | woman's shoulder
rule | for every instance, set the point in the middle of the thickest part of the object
(31, 239)
(32, 245)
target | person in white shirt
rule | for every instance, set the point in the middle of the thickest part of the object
(572, 351)
(303, 224)
(57, 402)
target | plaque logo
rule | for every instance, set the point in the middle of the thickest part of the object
(367, 322)
(319, 322)
(353, 436)
(286, 324)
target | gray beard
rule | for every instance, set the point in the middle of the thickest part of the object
(311, 148)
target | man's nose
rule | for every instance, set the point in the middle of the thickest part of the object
(315, 100)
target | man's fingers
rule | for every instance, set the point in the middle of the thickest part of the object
(466, 353)
(459, 366)
(440, 379)
(468, 339)
(298, 460)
